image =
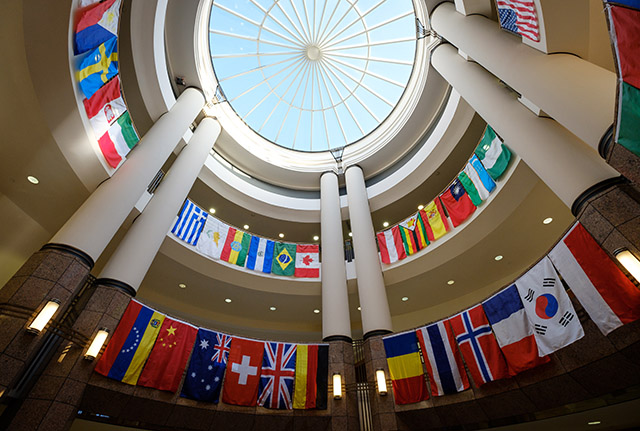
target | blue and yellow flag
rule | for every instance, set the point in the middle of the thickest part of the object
(405, 367)
(99, 66)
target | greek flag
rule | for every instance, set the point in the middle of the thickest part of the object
(190, 222)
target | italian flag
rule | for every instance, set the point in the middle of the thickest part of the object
(118, 140)
(391, 245)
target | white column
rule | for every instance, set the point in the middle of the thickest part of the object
(335, 298)
(93, 225)
(560, 159)
(371, 289)
(578, 94)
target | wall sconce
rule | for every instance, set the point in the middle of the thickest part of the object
(44, 316)
(337, 386)
(96, 344)
(629, 261)
(381, 381)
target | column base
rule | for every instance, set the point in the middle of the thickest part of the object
(337, 338)
(382, 406)
(376, 333)
(344, 412)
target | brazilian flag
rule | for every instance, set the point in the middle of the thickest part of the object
(284, 259)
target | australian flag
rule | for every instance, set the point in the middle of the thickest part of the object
(206, 369)
(278, 372)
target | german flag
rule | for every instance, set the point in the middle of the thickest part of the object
(312, 377)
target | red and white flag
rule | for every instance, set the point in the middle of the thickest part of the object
(390, 244)
(242, 378)
(105, 106)
(307, 261)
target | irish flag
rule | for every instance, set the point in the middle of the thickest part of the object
(391, 245)
(118, 140)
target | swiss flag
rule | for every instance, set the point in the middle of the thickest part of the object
(307, 260)
(243, 372)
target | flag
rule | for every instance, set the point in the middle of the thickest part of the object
(405, 368)
(244, 367)
(414, 234)
(434, 219)
(493, 154)
(478, 345)
(483, 182)
(276, 379)
(97, 25)
(169, 356)
(307, 261)
(116, 143)
(284, 259)
(206, 368)
(260, 255)
(391, 246)
(608, 296)
(457, 202)
(444, 364)
(548, 308)
(105, 107)
(470, 188)
(190, 222)
(505, 312)
(131, 343)
(519, 16)
(213, 237)
(236, 247)
(312, 376)
(97, 67)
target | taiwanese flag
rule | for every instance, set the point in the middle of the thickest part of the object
(169, 356)
(457, 202)
(242, 379)
(312, 376)
(405, 368)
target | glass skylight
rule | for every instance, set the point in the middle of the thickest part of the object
(312, 75)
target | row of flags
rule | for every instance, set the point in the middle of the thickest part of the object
(517, 328)
(151, 349)
(519, 17)
(471, 187)
(214, 238)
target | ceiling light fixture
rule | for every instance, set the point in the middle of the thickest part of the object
(594, 423)
(547, 220)
(405, 298)
(212, 210)
(272, 308)
(498, 257)
(316, 237)
(316, 311)
(385, 224)
(359, 308)
(350, 233)
(450, 282)
(227, 300)
(420, 207)
(32, 179)
(182, 286)
(281, 235)
(246, 227)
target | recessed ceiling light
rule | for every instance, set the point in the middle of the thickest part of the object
(498, 257)
(420, 207)
(594, 423)
(350, 233)
(359, 308)
(32, 179)
(182, 286)
(316, 237)
(281, 235)
(405, 298)
(547, 220)
(227, 300)
(316, 311)
(272, 308)
(385, 224)
(450, 282)
(246, 226)
(212, 210)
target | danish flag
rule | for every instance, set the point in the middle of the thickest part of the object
(276, 380)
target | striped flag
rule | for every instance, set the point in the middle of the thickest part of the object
(493, 154)
(391, 245)
(312, 376)
(116, 143)
(236, 247)
(190, 222)
(105, 107)
(414, 234)
(307, 261)
(519, 16)
(435, 221)
(260, 255)
(405, 368)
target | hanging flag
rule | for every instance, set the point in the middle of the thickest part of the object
(236, 247)
(97, 67)
(284, 257)
(213, 238)
(190, 222)
(242, 378)
(608, 296)
(435, 221)
(116, 143)
(519, 17)
(443, 361)
(307, 261)
(131, 343)
(169, 356)
(478, 345)
(548, 308)
(493, 154)
(206, 368)
(480, 177)
(276, 379)
(405, 368)
(260, 255)
(456, 200)
(97, 25)
(391, 246)
(105, 106)
(414, 234)
(470, 188)
(312, 376)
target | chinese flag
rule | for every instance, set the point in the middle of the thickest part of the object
(169, 356)
(242, 378)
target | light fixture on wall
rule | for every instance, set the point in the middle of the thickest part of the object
(629, 261)
(381, 381)
(96, 344)
(44, 316)
(337, 386)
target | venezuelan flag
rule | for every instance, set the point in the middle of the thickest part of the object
(405, 367)
(98, 66)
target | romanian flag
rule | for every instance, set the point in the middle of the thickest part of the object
(131, 343)
(312, 375)
(97, 67)
(414, 234)
(405, 367)
(435, 221)
(236, 247)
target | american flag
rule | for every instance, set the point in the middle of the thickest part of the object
(221, 348)
(276, 380)
(519, 16)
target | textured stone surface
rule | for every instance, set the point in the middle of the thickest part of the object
(625, 162)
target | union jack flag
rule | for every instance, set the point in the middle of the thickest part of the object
(221, 348)
(276, 380)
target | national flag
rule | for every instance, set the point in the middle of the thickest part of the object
(481, 179)
(284, 257)
(131, 343)
(514, 333)
(236, 247)
(444, 364)
(493, 154)
(169, 356)
(97, 67)
(105, 107)
(85, 3)
(478, 345)
(116, 143)
(391, 245)
(190, 222)
(276, 379)
(470, 188)
(434, 219)
(548, 308)
(307, 261)
(312, 376)
(457, 202)
(207, 366)
(244, 367)
(519, 16)
(414, 234)
(213, 237)
(260, 255)
(97, 25)
(608, 296)
(405, 368)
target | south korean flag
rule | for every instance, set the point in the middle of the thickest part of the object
(548, 308)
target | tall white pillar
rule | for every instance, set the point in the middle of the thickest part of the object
(93, 225)
(336, 323)
(376, 318)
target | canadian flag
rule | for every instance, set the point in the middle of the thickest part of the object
(307, 261)
(242, 378)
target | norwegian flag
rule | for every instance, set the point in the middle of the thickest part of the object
(221, 348)
(276, 379)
